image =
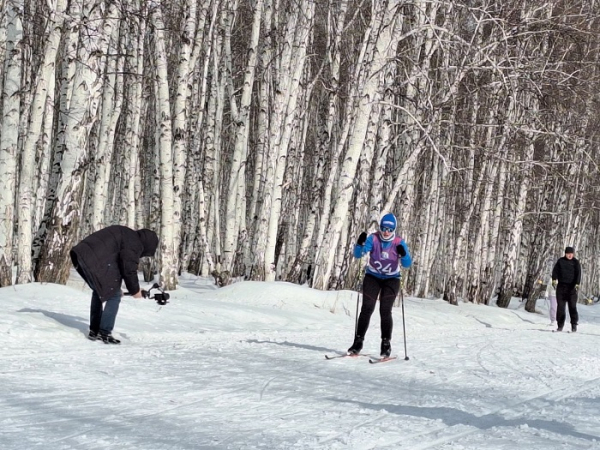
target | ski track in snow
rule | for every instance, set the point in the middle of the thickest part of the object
(446, 435)
(220, 374)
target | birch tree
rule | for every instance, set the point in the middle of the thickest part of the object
(110, 110)
(64, 206)
(336, 20)
(9, 135)
(181, 114)
(264, 134)
(134, 105)
(386, 33)
(282, 126)
(168, 252)
(241, 114)
(45, 83)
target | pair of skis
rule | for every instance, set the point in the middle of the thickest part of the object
(372, 359)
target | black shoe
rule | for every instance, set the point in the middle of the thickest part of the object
(573, 328)
(559, 329)
(386, 348)
(93, 335)
(109, 339)
(356, 346)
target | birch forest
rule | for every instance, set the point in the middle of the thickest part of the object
(258, 138)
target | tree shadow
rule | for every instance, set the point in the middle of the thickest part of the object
(487, 325)
(295, 345)
(453, 416)
(523, 319)
(552, 330)
(64, 319)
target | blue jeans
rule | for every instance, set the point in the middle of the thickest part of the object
(102, 317)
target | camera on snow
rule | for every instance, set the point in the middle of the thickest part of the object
(161, 297)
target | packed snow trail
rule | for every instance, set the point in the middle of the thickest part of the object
(242, 367)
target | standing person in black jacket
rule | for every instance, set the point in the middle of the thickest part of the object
(566, 276)
(104, 260)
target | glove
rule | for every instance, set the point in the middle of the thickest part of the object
(362, 239)
(576, 287)
(554, 283)
(401, 251)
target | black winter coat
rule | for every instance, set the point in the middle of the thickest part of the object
(109, 256)
(567, 271)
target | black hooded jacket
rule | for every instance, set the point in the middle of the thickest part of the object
(109, 256)
(567, 271)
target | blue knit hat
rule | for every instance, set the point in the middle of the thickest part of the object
(388, 221)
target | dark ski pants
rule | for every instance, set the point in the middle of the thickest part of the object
(566, 294)
(102, 317)
(387, 291)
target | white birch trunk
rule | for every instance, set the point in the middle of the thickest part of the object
(264, 91)
(45, 83)
(168, 262)
(191, 249)
(9, 135)
(384, 144)
(384, 47)
(475, 281)
(428, 232)
(49, 182)
(511, 251)
(281, 142)
(509, 260)
(458, 266)
(282, 90)
(237, 176)
(334, 39)
(213, 156)
(357, 84)
(110, 111)
(80, 117)
(131, 209)
(180, 120)
(215, 92)
(489, 271)
(44, 154)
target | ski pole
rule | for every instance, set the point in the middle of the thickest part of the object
(406, 358)
(358, 288)
(356, 319)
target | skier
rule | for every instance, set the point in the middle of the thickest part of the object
(104, 259)
(382, 279)
(566, 276)
(551, 296)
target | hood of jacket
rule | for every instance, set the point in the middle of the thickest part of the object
(149, 241)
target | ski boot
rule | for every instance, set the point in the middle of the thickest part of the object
(93, 335)
(573, 328)
(386, 348)
(109, 339)
(356, 346)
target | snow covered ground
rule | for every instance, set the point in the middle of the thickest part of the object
(243, 367)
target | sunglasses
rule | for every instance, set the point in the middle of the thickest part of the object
(387, 230)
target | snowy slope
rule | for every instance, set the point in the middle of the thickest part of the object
(243, 367)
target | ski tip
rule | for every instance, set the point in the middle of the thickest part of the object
(336, 356)
(346, 355)
(382, 360)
